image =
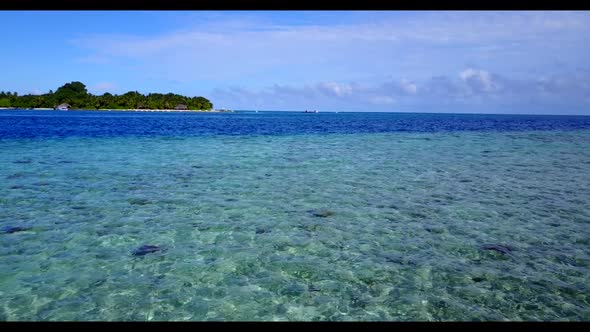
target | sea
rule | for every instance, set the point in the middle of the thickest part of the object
(286, 216)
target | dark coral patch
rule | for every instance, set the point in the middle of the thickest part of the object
(322, 213)
(13, 229)
(261, 230)
(503, 249)
(139, 201)
(147, 249)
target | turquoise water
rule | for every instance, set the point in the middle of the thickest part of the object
(367, 226)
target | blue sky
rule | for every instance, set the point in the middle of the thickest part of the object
(399, 61)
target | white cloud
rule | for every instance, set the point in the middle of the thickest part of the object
(479, 80)
(409, 87)
(402, 88)
(335, 89)
(471, 86)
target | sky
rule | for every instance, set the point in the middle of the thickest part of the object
(377, 61)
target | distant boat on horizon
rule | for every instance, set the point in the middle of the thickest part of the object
(314, 111)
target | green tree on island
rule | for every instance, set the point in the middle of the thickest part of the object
(76, 95)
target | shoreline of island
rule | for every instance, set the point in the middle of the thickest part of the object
(115, 110)
(75, 96)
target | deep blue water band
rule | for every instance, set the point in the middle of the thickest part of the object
(31, 124)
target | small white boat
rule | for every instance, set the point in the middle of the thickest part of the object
(63, 107)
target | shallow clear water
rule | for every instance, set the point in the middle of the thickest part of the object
(293, 224)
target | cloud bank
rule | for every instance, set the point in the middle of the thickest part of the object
(381, 59)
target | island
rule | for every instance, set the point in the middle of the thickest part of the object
(74, 95)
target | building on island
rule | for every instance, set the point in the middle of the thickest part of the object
(181, 107)
(62, 107)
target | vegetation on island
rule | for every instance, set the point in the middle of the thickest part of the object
(76, 95)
